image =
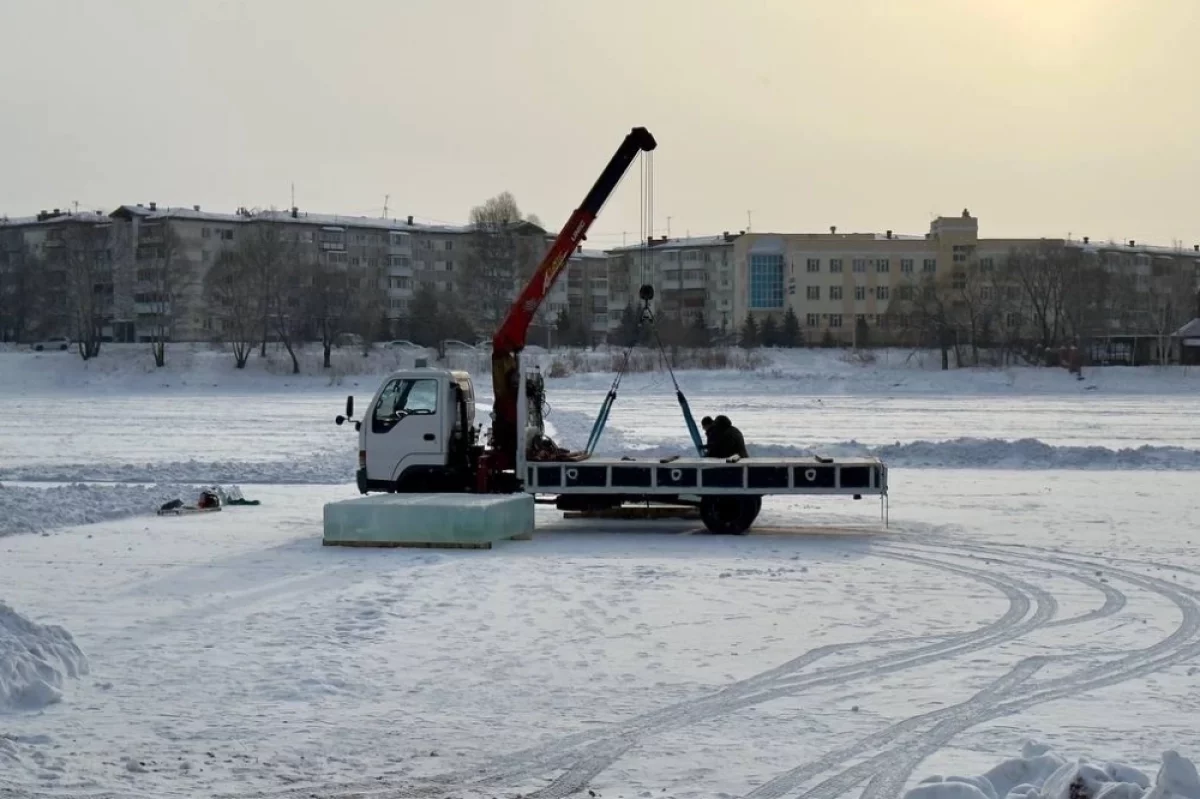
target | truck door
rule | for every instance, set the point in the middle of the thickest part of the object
(406, 428)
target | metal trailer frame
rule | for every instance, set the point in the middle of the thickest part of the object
(685, 480)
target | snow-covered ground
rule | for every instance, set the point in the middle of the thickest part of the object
(1056, 598)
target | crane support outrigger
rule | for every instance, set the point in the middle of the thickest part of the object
(419, 435)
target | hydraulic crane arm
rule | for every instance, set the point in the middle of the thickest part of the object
(510, 338)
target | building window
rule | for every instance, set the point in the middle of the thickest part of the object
(766, 281)
(883, 265)
(813, 320)
(813, 292)
(906, 265)
(835, 320)
(835, 292)
(906, 292)
(958, 280)
(986, 264)
(814, 264)
(960, 253)
(399, 261)
(930, 266)
(860, 292)
(1012, 319)
(882, 292)
(205, 232)
(860, 265)
(835, 265)
(985, 293)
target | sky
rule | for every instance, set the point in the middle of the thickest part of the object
(1042, 117)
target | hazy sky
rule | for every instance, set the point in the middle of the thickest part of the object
(1042, 116)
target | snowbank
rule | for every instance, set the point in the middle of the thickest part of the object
(967, 453)
(1040, 774)
(320, 469)
(126, 368)
(29, 510)
(35, 661)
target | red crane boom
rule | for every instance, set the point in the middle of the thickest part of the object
(510, 338)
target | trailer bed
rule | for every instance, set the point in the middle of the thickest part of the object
(709, 476)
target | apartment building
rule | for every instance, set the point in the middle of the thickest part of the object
(138, 239)
(835, 281)
(692, 276)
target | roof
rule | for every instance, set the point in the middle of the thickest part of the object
(1190, 330)
(685, 243)
(1124, 246)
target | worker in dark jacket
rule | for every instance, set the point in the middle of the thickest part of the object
(724, 440)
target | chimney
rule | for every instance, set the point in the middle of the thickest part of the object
(195, 208)
(966, 213)
(153, 206)
(889, 234)
(410, 220)
(1085, 239)
(1196, 247)
(56, 212)
(1132, 243)
(295, 212)
(832, 229)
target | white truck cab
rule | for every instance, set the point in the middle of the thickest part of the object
(418, 431)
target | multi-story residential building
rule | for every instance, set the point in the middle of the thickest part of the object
(145, 242)
(692, 277)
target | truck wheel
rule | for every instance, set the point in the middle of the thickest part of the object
(729, 515)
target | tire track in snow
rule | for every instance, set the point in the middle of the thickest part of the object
(609, 745)
(889, 770)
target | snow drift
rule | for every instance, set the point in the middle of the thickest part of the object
(973, 453)
(30, 510)
(35, 662)
(1040, 774)
(318, 469)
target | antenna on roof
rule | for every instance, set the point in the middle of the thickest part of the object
(386, 197)
(293, 205)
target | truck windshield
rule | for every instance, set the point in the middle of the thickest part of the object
(405, 396)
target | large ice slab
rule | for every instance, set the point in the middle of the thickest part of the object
(445, 520)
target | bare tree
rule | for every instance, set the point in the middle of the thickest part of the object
(164, 278)
(923, 313)
(230, 291)
(1050, 276)
(503, 248)
(80, 255)
(332, 295)
(273, 260)
(1169, 301)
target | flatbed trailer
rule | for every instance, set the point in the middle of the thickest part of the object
(728, 492)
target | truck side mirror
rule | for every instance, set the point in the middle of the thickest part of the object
(350, 406)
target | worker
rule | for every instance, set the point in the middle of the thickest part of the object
(724, 440)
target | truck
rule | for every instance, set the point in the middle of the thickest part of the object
(419, 434)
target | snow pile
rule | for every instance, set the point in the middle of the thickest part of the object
(319, 469)
(1040, 774)
(35, 661)
(31, 510)
(126, 368)
(972, 453)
